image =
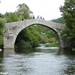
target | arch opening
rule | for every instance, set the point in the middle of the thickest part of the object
(42, 33)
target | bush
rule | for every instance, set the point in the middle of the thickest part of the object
(52, 45)
(22, 46)
(2, 23)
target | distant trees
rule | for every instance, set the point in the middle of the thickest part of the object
(59, 20)
(68, 13)
(12, 17)
(47, 34)
(23, 12)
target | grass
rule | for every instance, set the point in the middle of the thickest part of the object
(51, 45)
(73, 49)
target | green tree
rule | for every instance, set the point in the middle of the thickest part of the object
(2, 24)
(1, 15)
(29, 36)
(59, 20)
(68, 12)
(24, 10)
(46, 34)
(11, 16)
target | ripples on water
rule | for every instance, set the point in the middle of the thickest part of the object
(45, 62)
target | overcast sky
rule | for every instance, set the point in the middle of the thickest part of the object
(49, 9)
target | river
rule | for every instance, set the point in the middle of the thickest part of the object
(40, 62)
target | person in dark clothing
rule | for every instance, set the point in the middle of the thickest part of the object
(22, 19)
(33, 17)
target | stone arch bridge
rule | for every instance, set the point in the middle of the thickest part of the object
(14, 28)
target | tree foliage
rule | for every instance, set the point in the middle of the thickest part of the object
(47, 34)
(68, 12)
(29, 36)
(2, 24)
(24, 10)
(59, 20)
(12, 17)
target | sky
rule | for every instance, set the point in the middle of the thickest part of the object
(49, 9)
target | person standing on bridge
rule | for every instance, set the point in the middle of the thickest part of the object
(38, 17)
(22, 19)
(33, 17)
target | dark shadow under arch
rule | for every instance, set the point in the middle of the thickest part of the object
(42, 26)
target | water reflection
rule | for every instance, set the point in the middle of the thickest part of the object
(7, 52)
(1, 61)
(70, 69)
(1, 54)
(37, 62)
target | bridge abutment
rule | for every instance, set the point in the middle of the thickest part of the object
(8, 42)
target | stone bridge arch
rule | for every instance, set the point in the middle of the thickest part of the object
(14, 28)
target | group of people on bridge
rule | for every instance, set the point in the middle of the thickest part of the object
(39, 17)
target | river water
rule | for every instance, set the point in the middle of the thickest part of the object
(40, 62)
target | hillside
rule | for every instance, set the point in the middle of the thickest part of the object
(59, 20)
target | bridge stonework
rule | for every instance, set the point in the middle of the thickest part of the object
(14, 28)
